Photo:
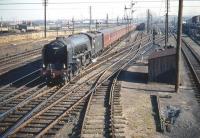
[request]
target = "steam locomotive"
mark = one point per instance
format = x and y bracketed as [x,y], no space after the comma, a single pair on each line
[66,56]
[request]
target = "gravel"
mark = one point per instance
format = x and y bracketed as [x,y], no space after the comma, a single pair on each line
[137,107]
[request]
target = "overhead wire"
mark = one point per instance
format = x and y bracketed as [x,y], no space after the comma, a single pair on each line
[87,8]
[83,2]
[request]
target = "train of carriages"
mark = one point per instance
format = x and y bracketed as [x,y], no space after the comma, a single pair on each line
[66,56]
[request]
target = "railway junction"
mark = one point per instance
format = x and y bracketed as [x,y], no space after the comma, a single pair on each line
[122,79]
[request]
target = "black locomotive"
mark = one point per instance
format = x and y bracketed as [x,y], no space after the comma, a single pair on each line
[66,56]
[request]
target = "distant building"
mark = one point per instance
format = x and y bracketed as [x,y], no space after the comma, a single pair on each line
[162,66]
[26,28]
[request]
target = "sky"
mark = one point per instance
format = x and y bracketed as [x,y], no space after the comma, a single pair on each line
[79,9]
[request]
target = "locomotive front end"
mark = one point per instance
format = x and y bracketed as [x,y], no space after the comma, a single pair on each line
[54,71]
[54,67]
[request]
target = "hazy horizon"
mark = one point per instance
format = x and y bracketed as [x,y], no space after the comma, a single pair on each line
[15,10]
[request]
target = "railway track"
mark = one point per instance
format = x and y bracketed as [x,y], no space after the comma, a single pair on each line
[103,116]
[96,122]
[12,102]
[195,40]
[15,95]
[22,57]
[193,59]
[40,104]
[46,112]
[19,91]
[118,122]
[19,56]
[22,80]
[74,100]
[115,52]
[14,61]
[10,62]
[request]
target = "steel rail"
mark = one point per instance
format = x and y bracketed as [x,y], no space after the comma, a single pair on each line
[89,102]
[111,102]
[20,79]
[73,89]
[22,88]
[193,65]
[25,101]
[109,56]
[43,111]
[19,56]
[99,83]
[28,116]
[18,64]
[25,118]
[23,93]
[126,48]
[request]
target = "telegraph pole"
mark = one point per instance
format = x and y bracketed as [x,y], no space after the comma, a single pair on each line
[1,23]
[117,20]
[167,20]
[107,19]
[57,29]
[73,25]
[132,15]
[148,20]
[166,23]
[90,18]
[127,23]
[45,18]
[178,49]
[125,10]
[96,25]
[151,23]
[165,29]
[126,17]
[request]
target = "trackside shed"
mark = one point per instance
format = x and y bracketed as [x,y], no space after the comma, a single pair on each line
[162,66]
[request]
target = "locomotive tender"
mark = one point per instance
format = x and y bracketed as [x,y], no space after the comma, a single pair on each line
[66,56]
